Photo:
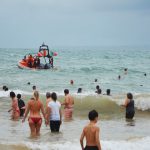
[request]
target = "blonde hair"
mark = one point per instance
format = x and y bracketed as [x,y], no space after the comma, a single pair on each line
[36,95]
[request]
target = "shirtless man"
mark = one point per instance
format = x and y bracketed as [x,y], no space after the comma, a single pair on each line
[68,105]
[34,106]
[91,133]
[15,109]
[48,99]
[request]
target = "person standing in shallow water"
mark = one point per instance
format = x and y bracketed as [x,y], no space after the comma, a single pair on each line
[54,117]
[68,105]
[129,104]
[34,106]
[21,105]
[15,109]
[91,133]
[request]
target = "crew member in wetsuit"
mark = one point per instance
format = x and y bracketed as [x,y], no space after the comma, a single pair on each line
[129,104]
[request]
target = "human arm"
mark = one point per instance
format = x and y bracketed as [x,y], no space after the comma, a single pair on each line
[81,139]
[60,116]
[26,113]
[48,115]
[42,110]
[66,101]
[97,139]
[126,102]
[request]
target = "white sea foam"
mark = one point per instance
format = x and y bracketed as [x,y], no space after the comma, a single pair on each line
[6,93]
[134,144]
[142,101]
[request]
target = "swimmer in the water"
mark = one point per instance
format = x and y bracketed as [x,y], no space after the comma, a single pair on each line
[119,77]
[98,90]
[126,71]
[91,133]
[71,82]
[34,106]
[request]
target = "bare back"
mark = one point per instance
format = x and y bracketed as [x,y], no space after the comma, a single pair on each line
[69,101]
[34,108]
[90,135]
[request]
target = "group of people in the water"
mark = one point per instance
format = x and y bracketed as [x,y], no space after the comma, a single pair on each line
[52,114]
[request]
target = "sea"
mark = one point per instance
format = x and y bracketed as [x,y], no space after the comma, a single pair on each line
[82,65]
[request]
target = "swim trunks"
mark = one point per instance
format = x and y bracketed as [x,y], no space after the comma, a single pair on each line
[91,148]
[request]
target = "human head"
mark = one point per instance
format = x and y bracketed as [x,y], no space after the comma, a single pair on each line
[54,96]
[18,96]
[71,82]
[12,94]
[96,80]
[119,77]
[144,74]
[4,87]
[28,83]
[93,115]
[66,91]
[108,91]
[34,87]
[79,90]
[48,95]
[125,69]
[129,96]
[36,95]
[97,87]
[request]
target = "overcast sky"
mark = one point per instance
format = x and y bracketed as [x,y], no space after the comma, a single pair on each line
[27,23]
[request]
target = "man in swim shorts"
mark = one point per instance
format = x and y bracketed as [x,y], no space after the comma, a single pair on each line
[91,133]
[68,105]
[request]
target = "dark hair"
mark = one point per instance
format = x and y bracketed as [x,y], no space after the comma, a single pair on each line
[79,90]
[66,91]
[92,115]
[108,91]
[12,94]
[97,87]
[18,96]
[129,96]
[34,87]
[28,83]
[96,80]
[4,87]
[54,96]
[48,95]
[125,69]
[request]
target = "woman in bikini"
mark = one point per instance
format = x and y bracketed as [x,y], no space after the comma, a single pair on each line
[15,109]
[34,106]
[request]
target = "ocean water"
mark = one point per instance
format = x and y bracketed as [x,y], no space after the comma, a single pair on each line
[83,65]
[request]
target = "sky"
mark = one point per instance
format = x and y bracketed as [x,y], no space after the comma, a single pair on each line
[28,23]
